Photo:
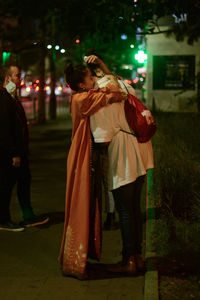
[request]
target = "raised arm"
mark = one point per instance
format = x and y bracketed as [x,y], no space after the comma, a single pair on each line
[93,59]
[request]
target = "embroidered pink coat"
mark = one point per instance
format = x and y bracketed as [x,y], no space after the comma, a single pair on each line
[75,242]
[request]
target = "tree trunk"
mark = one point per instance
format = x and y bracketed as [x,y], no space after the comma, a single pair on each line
[52,107]
[1,53]
[198,93]
[52,103]
[42,94]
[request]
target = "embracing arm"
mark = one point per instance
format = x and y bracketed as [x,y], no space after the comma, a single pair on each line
[96,99]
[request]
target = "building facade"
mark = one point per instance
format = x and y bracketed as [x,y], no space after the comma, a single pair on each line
[173,69]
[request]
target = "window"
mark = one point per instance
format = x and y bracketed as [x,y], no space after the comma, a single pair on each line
[174,72]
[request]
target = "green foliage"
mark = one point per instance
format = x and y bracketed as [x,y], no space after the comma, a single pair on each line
[99,25]
[106,20]
[189,28]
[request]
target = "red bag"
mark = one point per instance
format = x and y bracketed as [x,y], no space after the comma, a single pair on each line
[137,115]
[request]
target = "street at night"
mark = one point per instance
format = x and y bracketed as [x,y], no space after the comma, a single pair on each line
[29,260]
[99,122]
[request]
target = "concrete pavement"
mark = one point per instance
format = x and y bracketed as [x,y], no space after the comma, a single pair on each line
[29,269]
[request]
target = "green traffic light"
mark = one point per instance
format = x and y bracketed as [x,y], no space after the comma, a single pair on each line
[6,56]
[141,57]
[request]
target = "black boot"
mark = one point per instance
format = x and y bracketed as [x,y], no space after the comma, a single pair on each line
[126,267]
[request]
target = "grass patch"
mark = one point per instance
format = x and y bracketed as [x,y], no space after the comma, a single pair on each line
[176,187]
[176,191]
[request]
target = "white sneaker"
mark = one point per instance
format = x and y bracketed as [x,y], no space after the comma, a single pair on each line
[10,226]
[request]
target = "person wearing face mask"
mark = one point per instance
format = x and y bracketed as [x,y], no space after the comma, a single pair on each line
[20,174]
[9,152]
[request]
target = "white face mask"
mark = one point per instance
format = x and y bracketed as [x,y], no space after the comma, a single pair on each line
[11,88]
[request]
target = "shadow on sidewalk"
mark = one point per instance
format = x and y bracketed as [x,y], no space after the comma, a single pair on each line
[54,218]
[98,271]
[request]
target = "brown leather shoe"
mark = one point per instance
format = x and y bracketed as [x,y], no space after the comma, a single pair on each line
[140,264]
[127,267]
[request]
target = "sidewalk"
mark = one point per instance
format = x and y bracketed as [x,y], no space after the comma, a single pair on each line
[29,269]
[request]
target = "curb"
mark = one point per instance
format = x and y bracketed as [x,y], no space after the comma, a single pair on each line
[151,277]
[151,285]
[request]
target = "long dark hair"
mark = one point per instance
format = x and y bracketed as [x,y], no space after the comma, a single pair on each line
[75,75]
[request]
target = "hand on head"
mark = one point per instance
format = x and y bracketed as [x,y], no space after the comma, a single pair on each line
[92,59]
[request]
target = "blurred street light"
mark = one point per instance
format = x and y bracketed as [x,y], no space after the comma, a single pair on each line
[57,47]
[124,37]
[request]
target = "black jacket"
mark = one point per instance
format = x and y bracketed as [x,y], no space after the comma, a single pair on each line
[11,143]
[23,127]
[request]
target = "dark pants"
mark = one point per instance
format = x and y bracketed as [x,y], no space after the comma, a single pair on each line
[127,202]
[9,176]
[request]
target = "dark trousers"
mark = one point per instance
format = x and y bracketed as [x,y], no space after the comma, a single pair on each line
[127,202]
[9,176]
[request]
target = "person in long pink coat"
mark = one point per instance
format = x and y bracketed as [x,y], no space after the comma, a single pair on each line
[77,244]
